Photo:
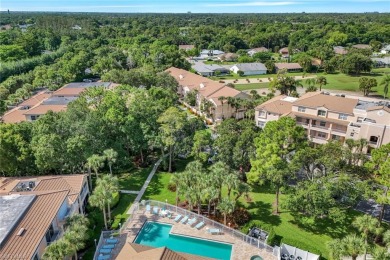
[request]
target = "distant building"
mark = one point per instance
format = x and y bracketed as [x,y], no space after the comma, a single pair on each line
[210,53]
[208,70]
[76,27]
[228,57]
[386,49]
[381,62]
[284,52]
[208,91]
[34,211]
[256,50]
[327,117]
[340,50]
[45,101]
[290,67]
[186,47]
[362,46]
[256,68]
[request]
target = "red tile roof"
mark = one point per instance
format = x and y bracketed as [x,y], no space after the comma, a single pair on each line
[36,222]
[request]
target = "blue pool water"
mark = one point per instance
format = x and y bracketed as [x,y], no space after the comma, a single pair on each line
[157,235]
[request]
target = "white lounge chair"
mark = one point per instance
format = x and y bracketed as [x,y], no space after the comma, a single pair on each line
[214,231]
[184,220]
[192,221]
[199,225]
[178,217]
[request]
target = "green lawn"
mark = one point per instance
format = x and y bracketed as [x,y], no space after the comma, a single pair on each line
[345,82]
[132,180]
[311,236]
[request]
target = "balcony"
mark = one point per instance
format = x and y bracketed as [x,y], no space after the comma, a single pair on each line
[318,139]
[304,124]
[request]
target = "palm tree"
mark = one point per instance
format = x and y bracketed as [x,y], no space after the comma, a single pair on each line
[217,172]
[176,180]
[381,253]
[97,199]
[212,194]
[231,181]
[310,82]
[255,94]
[77,220]
[95,162]
[386,238]
[366,224]
[222,99]
[321,81]
[353,246]
[110,185]
[110,155]
[76,238]
[334,248]
[195,191]
[226,206]
[57,250]
[385,82]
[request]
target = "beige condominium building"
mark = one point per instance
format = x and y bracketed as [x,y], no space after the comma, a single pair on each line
[327,117]
[33,212]
[208,90]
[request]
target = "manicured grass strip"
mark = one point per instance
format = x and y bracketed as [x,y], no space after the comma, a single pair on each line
[133,180]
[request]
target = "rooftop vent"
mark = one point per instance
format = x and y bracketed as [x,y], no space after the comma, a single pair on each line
[181,76]
[202,85]
[21,231]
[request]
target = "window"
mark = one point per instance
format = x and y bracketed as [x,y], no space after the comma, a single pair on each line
[260,124]
[321,113]
[335,137]
[374,139]
[301,109]
[307,121]
[313,122]
[33,118]
[343,116]
[321,135]
[323,123]
[262,114]
[49,233]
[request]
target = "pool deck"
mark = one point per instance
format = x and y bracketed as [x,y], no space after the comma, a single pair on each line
[240,250]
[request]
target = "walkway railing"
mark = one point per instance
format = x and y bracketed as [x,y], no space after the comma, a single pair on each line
[210,223]
[104,235]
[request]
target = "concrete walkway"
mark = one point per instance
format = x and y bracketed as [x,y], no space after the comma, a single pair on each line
[142,191]
[129,191]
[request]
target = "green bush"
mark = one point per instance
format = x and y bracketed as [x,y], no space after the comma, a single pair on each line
[118,219]
[115,199]
[271,240]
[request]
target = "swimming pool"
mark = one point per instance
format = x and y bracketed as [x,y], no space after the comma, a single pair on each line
[157,235]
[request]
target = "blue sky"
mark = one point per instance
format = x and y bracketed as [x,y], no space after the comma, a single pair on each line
[198,6]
